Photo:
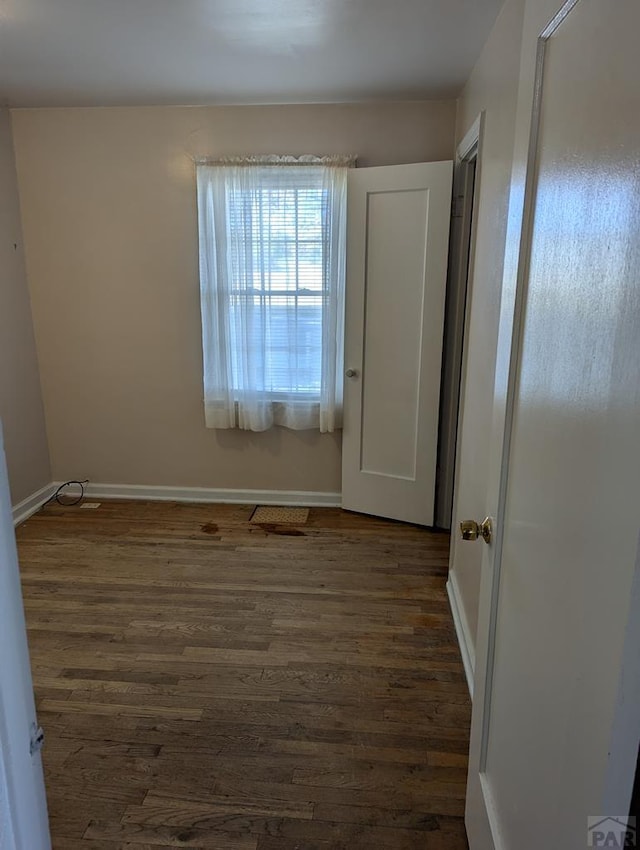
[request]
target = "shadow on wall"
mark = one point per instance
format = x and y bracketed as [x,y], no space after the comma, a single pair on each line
[270,442]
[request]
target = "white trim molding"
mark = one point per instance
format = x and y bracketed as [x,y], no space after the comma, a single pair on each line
[304,498]
[27,507]
[467,178]
[470,144]
[467,648]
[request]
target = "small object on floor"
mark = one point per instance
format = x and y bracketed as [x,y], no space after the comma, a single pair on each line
[68,498]
[90,505]
[279,515]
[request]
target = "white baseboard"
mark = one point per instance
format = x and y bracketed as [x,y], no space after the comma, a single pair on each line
[24,509]
[304,498]
[467,648]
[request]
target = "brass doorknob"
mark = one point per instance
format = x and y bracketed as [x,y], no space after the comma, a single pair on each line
[471,530]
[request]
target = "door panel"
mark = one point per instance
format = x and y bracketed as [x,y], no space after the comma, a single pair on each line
[397,252]
[25,805]
[395,220]
[556,680]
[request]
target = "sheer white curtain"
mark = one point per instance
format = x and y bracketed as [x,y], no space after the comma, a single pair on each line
[272,237]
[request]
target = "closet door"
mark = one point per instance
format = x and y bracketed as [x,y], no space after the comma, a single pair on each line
[397,245]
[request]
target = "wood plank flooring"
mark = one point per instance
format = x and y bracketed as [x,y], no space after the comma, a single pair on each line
[208,683]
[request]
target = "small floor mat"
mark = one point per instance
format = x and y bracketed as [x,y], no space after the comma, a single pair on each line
[271,513]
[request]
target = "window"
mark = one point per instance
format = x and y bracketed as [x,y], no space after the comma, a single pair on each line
[284,297]
[272,257]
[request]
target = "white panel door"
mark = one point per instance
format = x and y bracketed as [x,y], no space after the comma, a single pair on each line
[556,715]
[397,242]
[23,808]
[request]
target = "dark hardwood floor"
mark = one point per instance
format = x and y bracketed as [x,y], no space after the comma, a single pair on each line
[206,683]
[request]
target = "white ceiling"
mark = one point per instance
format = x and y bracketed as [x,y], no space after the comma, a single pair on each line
[103,52]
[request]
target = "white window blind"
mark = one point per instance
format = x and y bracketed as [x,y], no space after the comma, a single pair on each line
[272,257]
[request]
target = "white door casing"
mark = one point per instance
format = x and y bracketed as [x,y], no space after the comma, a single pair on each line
[469,480]
[556,713]
[22,770]
[464,216]
[397,242]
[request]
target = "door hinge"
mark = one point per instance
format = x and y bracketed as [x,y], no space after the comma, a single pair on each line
[37,739]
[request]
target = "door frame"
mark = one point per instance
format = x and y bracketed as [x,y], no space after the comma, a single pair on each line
[480,812]
[464,218]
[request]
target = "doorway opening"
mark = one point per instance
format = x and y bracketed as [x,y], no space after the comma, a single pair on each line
[461,251]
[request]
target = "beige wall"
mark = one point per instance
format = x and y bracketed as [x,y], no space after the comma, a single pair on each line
[109,216]
[20,397]
[492,87]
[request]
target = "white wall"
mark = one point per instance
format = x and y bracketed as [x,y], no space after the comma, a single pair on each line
[109,215]
[21,410]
